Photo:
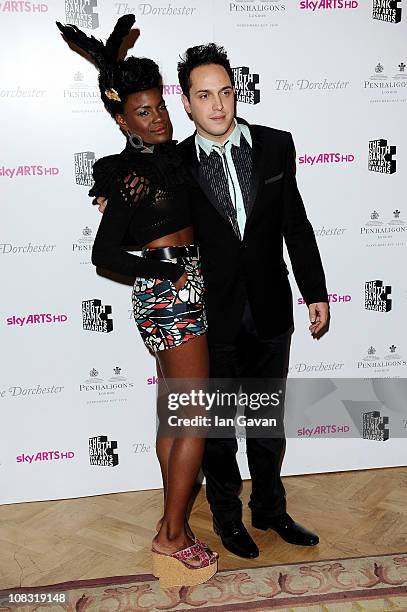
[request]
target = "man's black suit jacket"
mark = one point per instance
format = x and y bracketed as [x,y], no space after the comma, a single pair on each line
[253,268]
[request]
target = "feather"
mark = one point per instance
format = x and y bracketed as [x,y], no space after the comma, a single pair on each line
[120,31]
[94,47]
[101,54]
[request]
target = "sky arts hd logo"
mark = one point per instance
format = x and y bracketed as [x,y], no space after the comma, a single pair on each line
[377,296]
[28,170]
[331,5]
[387,10]
[381,157]
[42,318]
[245,85]
[81,13]
[333,298]
[95,316]
[23,7]
[326,158]
[45,456]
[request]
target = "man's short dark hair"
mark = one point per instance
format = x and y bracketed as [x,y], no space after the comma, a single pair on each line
[201,56]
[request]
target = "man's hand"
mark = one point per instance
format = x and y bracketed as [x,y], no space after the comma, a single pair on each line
[102,202]
[318,316]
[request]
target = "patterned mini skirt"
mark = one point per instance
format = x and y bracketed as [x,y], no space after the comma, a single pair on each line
[166,317]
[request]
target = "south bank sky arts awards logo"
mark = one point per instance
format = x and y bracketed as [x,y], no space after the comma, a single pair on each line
[103,452]
[381,157]
[374,426]
[83,168]
[387,10]
[377,296]
[245,85]
[82,13]
[96,316]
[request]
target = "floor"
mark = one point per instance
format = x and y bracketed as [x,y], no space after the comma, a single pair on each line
[355,514]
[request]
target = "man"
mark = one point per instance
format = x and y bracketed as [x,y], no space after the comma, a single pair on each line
[247,202]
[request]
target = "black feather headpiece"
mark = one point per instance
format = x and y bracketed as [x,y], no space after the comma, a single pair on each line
[104,56]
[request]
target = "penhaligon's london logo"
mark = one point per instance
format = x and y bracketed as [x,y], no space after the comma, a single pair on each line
[381,157]
[96,383]
[379,362]
[390,226]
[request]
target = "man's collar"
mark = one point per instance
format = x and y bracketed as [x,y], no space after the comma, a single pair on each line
[234,139]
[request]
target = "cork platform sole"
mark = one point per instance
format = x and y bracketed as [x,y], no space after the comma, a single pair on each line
[172,572]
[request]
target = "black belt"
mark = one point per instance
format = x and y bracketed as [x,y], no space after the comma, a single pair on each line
[172,252]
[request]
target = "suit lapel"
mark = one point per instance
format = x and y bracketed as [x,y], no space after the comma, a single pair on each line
[189,154]
[196,171]
[257,171]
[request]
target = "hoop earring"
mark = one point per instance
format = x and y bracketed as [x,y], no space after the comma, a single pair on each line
[139,144]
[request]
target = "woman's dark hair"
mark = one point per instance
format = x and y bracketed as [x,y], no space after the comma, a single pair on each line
[118,78]
[129,76]
[201,56]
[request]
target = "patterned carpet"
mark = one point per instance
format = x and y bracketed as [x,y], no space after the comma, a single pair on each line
[360,584]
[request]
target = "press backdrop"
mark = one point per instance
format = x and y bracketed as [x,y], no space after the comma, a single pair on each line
[76,384]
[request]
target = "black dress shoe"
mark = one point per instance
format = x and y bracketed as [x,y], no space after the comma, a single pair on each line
[236,539]
[290,531]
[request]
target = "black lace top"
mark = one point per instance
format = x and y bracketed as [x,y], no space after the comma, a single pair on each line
[148,197]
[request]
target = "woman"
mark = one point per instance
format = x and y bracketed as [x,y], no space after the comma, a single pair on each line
[148,207]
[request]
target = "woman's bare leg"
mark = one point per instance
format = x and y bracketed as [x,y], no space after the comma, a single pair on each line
[180,460]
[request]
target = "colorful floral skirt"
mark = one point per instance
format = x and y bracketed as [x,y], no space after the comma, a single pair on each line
[165,316]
